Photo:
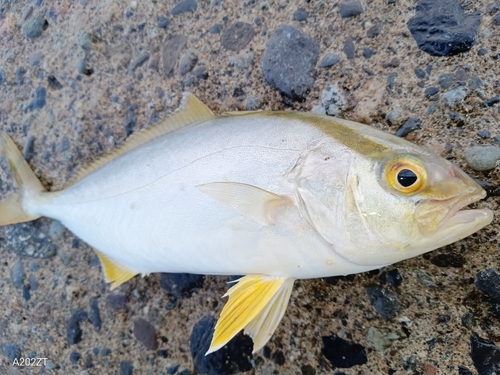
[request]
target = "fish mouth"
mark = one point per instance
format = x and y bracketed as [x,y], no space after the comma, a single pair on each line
[456,223]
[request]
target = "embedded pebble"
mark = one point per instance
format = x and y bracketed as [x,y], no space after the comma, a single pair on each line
[492,101]
[94,314]
[430,92]
[85,40]
[383,338]
[368,52]
[242,60]
[17,274]
[385,302]
[75,357]
[349,48]
[485,355]
[424,278]
[441,28]
[300,15]
[116,300]
[138,62]
[185,7]
[42,312]
[215,28]
[449,260]
[39,99]
[476,83]
[253,103]
[329,60]
[188,61]
[237,36]
[162,22]
[482,158]
[234,357]
[12,352]
[342,353]
[145,332]
[454,97]
[446,80]
[29,147]
[394,277]
[34,27]
[56,229]
[485,134]
[394,117]
[171,53]
[126,368]
[289,60]
[181,285]
[73,331]
[20,73]
[488,281]
[333,102]
[350,9]
[36,58]
[408,126]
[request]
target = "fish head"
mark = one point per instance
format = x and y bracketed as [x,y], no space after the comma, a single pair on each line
[389,204]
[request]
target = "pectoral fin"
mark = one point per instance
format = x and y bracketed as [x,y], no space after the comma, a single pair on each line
[258,204]
[115,273]
[256,303]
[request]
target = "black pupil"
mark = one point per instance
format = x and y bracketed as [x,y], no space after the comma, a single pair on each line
[406,178]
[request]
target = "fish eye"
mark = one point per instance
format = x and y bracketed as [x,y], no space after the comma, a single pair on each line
[405,174]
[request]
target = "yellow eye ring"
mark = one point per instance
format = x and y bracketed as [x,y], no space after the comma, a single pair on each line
[405,175]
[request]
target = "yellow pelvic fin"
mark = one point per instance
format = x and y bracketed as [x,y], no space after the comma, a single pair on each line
[115,273]
[191,112]
[256,303]
[257,204]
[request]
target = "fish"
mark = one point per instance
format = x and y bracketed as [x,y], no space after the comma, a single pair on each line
[274,196]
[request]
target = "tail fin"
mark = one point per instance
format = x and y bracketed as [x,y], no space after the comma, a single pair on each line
[12,210]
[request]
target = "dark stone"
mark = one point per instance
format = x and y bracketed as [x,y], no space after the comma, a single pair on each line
[350,9]
[26,293]
[386,303]
[33,282]
[278,357]
[289,60]
[446,80]
[237,36]
[485,355]
[448,260]
[488,281]
[409,125]
[17,274]
[391,80]
[368,52]
[39,100]
[307,370]
[476,83]
[184,7]
[482,51]
[74,357]
[329,60]
[29,147]
[235,356]
[441,28]
[420,73]
[138,62]
[105,352]
[129,123]
[94,315]
[215,28]
[53,82]
[468,319]
[73,330]
[12,352]
[300,15]
[485,134]
[29,239]
[430,92]
[496,20]
[126,368]
[491,102]
[349,48]
[171,52]
[116,301]
[163,353]
[172,369]
[201,72]
[163,22]
[34,27]
[395,277]
[145,332]
[492,190]
[464,371]
[342,353]
[188,62]
[20,72]
[374,31]
[181,285]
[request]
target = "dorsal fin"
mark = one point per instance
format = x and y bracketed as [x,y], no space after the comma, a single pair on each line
[191,112]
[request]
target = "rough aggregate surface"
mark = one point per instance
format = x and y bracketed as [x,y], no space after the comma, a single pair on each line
[78,77]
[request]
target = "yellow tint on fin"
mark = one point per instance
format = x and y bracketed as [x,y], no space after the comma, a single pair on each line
[257,304]
[115,273]
[191,112]
[258,204]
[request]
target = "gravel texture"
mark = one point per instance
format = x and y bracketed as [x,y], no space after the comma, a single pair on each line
[78,77]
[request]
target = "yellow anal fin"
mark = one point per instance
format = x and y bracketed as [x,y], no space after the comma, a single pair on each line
[251,201]
[115,273]
[253,297]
